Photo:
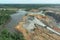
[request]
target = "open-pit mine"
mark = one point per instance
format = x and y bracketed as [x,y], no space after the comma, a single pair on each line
[41,25]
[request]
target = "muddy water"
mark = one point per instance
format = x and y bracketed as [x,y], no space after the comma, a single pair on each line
[15,19]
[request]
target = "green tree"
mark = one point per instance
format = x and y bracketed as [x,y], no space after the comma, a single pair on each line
[6,35]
